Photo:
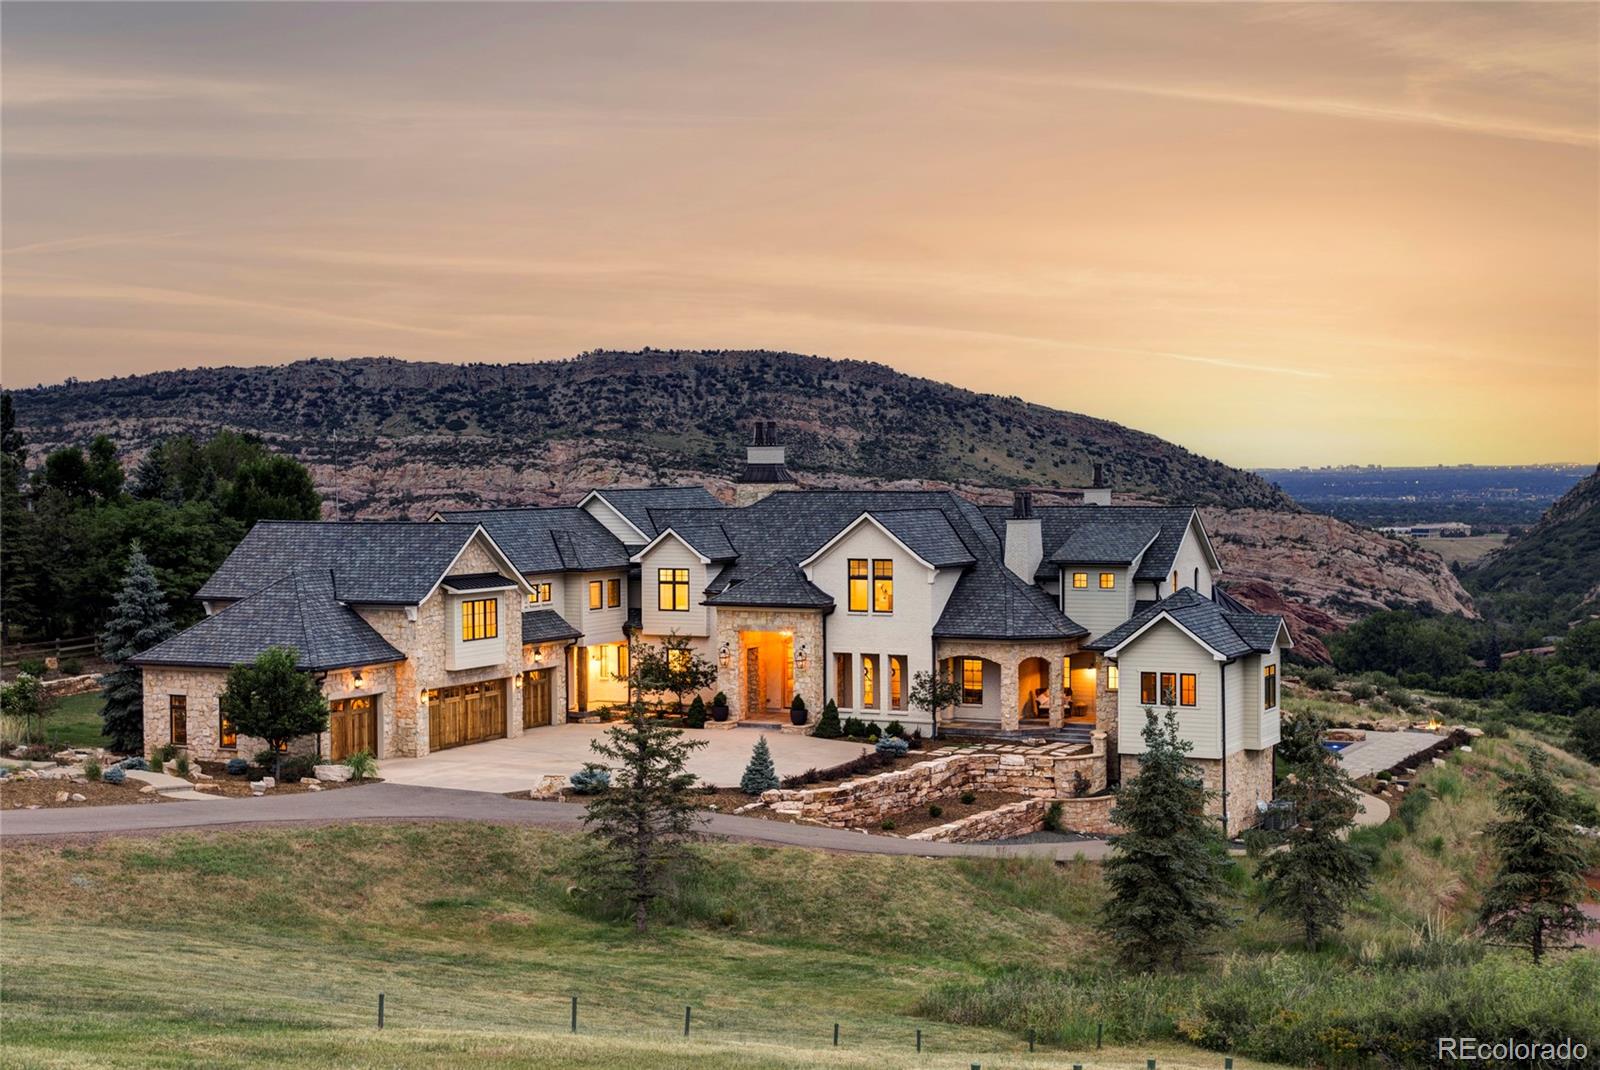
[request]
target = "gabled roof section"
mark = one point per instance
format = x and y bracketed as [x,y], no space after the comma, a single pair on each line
[298,610]
[1059,523]
[925,534]
[560,539]
[778,586]
[376,563]
[546,626]
[705,539]
[991,602]
[633,504]
[478,581]
[1120,543]
[1227,633]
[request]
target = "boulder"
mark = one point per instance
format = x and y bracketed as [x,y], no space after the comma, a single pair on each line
[332,774]
[268,782]
[312,785]
[258,787]
[148,789]
[61,796]
[79,798]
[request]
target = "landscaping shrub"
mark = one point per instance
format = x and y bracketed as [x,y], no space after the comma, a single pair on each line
[866,763]
[895,729]
[855,728]
[891,747]
[71,667]
[133,763]
[887,825]
[180,765]
[969,797]
[91,768]
[237,767]
[592,779]
[37,752]
[696,715]
[114,775]
[1384,774]
[1052,817]
[362,765]
[935,810]
[32,666]
[761,774]
[828,726]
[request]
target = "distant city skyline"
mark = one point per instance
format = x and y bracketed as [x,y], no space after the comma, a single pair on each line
[1280,235]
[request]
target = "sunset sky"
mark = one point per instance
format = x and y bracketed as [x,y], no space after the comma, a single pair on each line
[1278,235]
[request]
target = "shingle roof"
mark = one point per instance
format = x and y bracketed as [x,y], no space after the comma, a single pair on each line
[390,562]
[1106,544]
[1061,522]
[705,534]
[1229,632]
[553,539]
[478,581]
[299,610]
[779,584]
[546,626]
[929,535]
[635,503]
[992,602]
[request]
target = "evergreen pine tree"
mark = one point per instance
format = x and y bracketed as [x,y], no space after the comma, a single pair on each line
[1165,870]
[1317,873]
[642,822]
[828,726]
[1535,893]
[760,775]
[138,622]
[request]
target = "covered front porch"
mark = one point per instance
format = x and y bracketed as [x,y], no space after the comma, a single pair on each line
[765,657]
[1018,687]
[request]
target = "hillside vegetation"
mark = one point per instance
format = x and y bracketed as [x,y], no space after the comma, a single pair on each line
[1551,573]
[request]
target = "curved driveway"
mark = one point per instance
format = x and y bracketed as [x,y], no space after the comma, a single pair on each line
[405,802]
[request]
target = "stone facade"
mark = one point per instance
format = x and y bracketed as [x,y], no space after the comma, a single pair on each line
[806,626]
[1043,772]
[1250,781]
[1090,816]
[1010,656]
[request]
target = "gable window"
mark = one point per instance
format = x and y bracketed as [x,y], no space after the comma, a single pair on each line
[1169,689]
[1080,580]
[672,590]
[540,593]
[1113,677]
[841,681]
[596,594]
[613,593]
[1147,688]
[883,586]
[972,681]
[897,681]
[858,585]
[1269,692]
[227,735]
[1186,689]
[478,619]
[178,718]
[1108,580]
[869,681]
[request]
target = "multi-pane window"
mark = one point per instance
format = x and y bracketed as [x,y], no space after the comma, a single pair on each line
[672,589]
[882,586]
[613,660]
[1108,580]
[479,618]
[858,585]
[539,594]
[178,717]
[1080,580]
[227,735]
[1186,689]
[1113,677]
[1147,689]
[897,681]
[1169,689]
[597,594]
[972,681]
[1269,682]
[869,681]
[613,593]
[841,681]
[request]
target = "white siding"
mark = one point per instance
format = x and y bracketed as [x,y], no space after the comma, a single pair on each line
[1262,727]
[1165,648]
[1191,555]
[603,625]
[672,553]
[614,522]
[1093,607]
[558,592]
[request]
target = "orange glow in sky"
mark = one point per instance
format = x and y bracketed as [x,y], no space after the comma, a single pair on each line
[1278,235]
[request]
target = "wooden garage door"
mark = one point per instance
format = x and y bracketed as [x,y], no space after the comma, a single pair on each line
[469,714]
[353,726]
[536,695]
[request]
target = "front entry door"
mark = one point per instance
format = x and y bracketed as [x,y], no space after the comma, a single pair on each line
[752,682]
[536,693]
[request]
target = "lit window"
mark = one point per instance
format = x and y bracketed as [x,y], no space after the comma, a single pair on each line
[1108,580]
[1080,580]
[540,593]
[1270,687]
[178,718]
[869,681]
[1147,689]
[971,681]
[226,735]
[897,681]
[613,593]
[1169,689]
[1113,677]
[883,586]
[478,619]
[1186,689]
[596,594]
[672,590]
[858,585]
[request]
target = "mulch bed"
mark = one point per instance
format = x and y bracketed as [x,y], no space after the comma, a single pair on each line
[238,787]
[22,794]
[951,809]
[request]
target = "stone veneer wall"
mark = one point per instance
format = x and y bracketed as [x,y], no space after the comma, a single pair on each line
[807,628]
[1010,656]
[1004,822]
[868,801]
[1249,781]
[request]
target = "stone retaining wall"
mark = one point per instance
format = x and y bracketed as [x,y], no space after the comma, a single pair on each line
[1043,773]
[1001,823]
[1090,816]
[71,685]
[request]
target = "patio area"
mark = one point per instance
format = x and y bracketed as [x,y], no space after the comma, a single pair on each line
[504,765]
[1381,750]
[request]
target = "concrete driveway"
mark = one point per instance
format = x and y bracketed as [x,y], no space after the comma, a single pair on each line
[504,765]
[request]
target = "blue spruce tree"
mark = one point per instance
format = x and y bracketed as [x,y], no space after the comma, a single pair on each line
[138,622]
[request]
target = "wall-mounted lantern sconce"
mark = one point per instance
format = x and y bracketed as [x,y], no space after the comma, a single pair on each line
[538,655]
[422,695]
[517,681]
[725,656]
[800,658]
[357,681]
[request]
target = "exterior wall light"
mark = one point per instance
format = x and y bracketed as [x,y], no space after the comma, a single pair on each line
[800,658]
[725,656]
[357,680]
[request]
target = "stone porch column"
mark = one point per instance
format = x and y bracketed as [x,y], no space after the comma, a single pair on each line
[1058,690]
[1010,695]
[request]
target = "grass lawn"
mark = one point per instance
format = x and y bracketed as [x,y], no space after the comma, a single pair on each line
[1467,550]
[76,721]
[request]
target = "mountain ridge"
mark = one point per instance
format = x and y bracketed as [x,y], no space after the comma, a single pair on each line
[1556,561]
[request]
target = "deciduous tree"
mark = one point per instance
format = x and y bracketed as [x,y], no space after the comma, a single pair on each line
[273,700]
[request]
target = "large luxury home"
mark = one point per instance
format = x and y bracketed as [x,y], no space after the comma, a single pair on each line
[1070,619]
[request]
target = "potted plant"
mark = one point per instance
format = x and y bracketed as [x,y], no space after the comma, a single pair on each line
[797,711]
[719,707]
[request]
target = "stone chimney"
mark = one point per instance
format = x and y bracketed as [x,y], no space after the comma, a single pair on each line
[1024,548]
[764,470]
[1100,492]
